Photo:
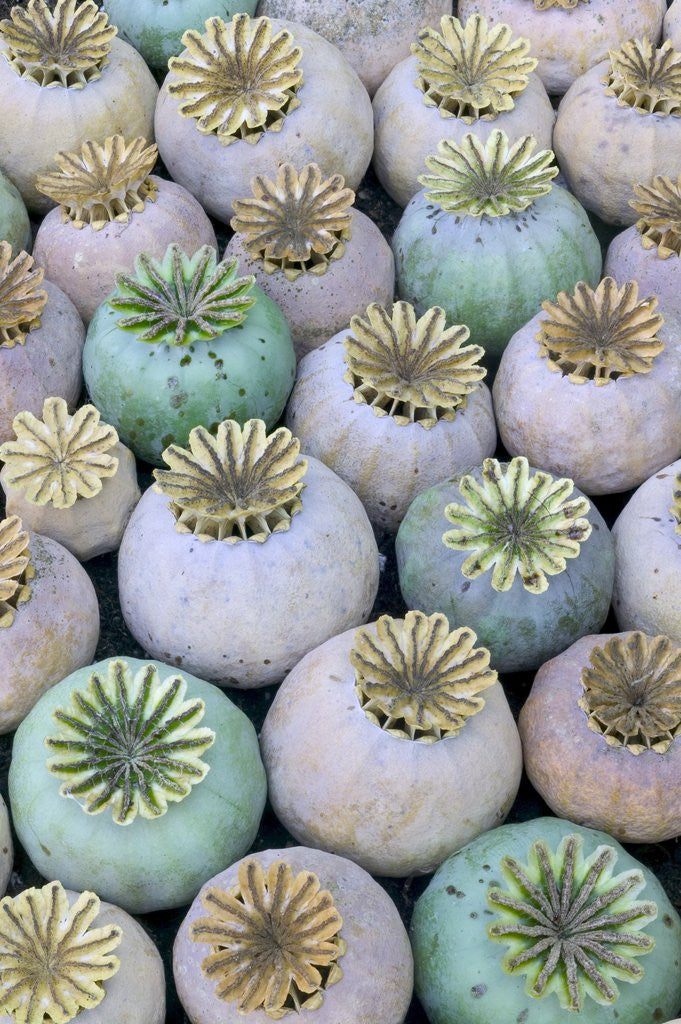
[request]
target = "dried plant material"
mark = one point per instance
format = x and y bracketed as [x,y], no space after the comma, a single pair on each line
[632,692]
[572,927]
[60,458]
[660,223]
[645,78]
[417,680]
[566,5]
[676,507]
[242,484]
[238,80]
[517,523]
[275,940]
[416,371]
[298,223]
[16,570]
[475,178]
[469,71]
[182,299]
[66,48]
[52,962]
[600,335]
[102,183]
[129,742]
[22,300]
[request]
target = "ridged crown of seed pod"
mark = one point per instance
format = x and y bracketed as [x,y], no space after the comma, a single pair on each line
[676,499]
[297,224]
[632,692]
[645,78]
[516,523]
[417,371]
[53,959]
[65,48]
[473,178]
[659,225]
[471,71]
[238,80]
[242,484]
[102,182]
[250,966]
[60,458]
[118,712]
[16,570]
[182,299]
[22,300]
[417,680]
[600,335]
[551,911]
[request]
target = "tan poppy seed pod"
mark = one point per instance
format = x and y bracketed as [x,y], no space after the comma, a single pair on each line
[421,705]
[591,388]
[570,36]
[369,973]
[618,124]
[65,78]
[49,618]
[394,404]
[599,732]
[316,256]
[111,208]
[309,106]
[372,36]
[460,78]
[672,25]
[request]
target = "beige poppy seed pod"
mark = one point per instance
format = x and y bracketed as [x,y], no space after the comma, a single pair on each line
[591,387]
[308,106]
[111,208]
[461,78]
[618,124]
[672,24]
[570,36]
[316,256]
[49,618]
[423,707]
[65,78]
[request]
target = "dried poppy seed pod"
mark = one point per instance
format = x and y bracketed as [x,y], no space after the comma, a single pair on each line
[613,761]
[318,258]
[618,125]
[212,141]
[255,977]
[415,699]
[592,359]
[466,77]
[672,24]
[65,78]
[569,36]
[393,403]
[6,847]
[15,226]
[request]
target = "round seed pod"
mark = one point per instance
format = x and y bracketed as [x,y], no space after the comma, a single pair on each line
[111,969]
[6,848]
[490,245]
[672,24]
[49,618]
[230,512]
[598,734]
[618,125]
[569,36]
[69,478]
[510,892]
[420,409]
[146,838]
[403,696]
[110,210]
[309,106]
[366,967]
[465,78]
[551,579]
[647,535]
[15,226]
[593,359]
[65,79]
[317,258]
